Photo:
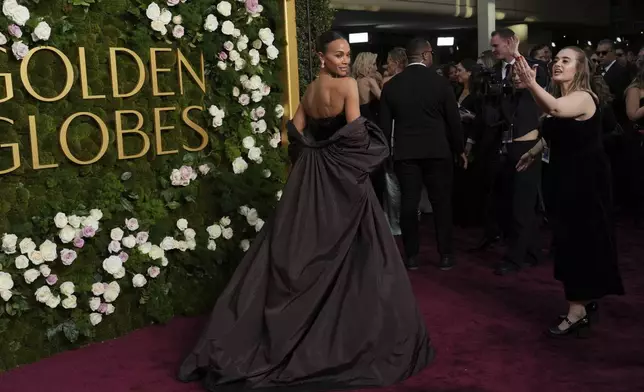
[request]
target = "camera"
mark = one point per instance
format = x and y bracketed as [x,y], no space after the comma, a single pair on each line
[486,83]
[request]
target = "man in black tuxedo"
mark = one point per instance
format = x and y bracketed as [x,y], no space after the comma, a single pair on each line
[511,129]
[427,136]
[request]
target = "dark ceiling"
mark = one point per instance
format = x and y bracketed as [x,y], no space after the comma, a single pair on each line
[398,21]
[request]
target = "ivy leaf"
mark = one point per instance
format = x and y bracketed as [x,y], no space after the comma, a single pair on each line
[168,195]
[71,332]
[127,205]
[173,205]
[10,310]
[133,196]
[51,332]
[126,176]
[191,199]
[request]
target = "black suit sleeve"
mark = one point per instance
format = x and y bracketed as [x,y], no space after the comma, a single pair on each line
[453,120]
[385,112]
[542,72]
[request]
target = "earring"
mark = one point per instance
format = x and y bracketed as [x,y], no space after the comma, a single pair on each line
[322,65]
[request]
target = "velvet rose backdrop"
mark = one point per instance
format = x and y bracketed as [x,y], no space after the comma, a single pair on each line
[186,166]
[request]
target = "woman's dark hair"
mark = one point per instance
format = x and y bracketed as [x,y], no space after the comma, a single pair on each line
[326,38]
[469,65]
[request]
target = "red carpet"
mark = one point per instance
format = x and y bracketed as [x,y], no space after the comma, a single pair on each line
[487,331]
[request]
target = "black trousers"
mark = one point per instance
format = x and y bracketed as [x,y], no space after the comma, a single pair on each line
[520,198]
[437,175]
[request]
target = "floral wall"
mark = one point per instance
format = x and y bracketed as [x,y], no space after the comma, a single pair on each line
[90,252]
[320,16]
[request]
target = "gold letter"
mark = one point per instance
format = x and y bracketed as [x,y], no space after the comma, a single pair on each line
[8,83]
[24,66]
[83,75]
[158,128]
[63,138]
[35,155]
[154,71]
[120,132]
[115,76]
[196,127]
[182,60]
[14,150]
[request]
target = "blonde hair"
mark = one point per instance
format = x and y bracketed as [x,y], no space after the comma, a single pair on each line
[487,58]
[638,81]
[583,79]
[363,64]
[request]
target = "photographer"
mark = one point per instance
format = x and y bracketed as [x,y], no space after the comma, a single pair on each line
[511,121]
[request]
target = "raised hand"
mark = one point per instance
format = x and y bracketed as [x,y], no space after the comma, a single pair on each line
[526,73]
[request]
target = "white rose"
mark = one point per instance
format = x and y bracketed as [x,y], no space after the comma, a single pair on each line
[145,248]
[182,246]
[254,57]
[254,154]
[153,11]
[248,142]
[45,271]
[27,246]
[214,231]
[278,195]
[236,33]
[244,245]
[96,214]
[182,224]
[272,52]
[224,221]
[67,234]
[153,272]
[48,250]
[244,210]
[53,302]
[257,44]
[228,27]
[116,234]
[266,173]
[267,36]
[114,247]
[142,237]
[244,99]
[168,243]
[6,294]
[279,111]
[139,280]
[98,289]
[36,257]
[156,252]
[74,221]
[18,13]
[95,318]
[254,82]
[164,262]
[129,242]
[9,242]
[190,234]
[43,294]
[165,17]
[236,92]
[119,274]
[6,281]
[211,23]
[259,225]
[239,165]
[70,302]
[228,45]
[112,264]
[234,55]
[60,220]
[261,126]
[212,245]
[19,50]
[90,221]
[227,233]
[252,216]
[95,302]
[256,96]
[21,262]
[109,309]
[132,224]
[241,45]
[177,19]
[192,244]
[3,39]
[240,63]
[224,8]
[112,292]
[42,32]
[67,288]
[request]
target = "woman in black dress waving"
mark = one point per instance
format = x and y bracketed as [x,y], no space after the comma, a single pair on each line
[586,252]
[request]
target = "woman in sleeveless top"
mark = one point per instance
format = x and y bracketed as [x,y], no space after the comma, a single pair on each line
[322,300]
[635,112]
[586,252]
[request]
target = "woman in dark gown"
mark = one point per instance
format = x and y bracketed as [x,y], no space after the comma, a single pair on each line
[321,301]
[585,253]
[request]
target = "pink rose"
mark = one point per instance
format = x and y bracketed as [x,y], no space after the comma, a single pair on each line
[68,256]
[102,308]
[123,256]
[79,242]
[187,173]
[142,237]
[223,56]
[178,31]
[172,3]
[88,232]
[252,5]
[15,30]
[51,279]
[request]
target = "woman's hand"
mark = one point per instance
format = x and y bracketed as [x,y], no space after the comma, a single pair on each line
[526,73]
[514,46]
[525,161]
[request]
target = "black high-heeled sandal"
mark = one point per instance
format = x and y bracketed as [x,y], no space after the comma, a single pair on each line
[592,310]
[580,329]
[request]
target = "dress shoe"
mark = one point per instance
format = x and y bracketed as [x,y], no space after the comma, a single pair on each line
[592,310]
[411,263]
[506,268]
[447,263]
[485,243]
[580,329]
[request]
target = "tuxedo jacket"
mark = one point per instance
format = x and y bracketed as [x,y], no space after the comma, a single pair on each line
[618,78]
[425,113]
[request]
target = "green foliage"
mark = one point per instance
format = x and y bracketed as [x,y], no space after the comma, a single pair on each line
[320,18]
[139,188]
